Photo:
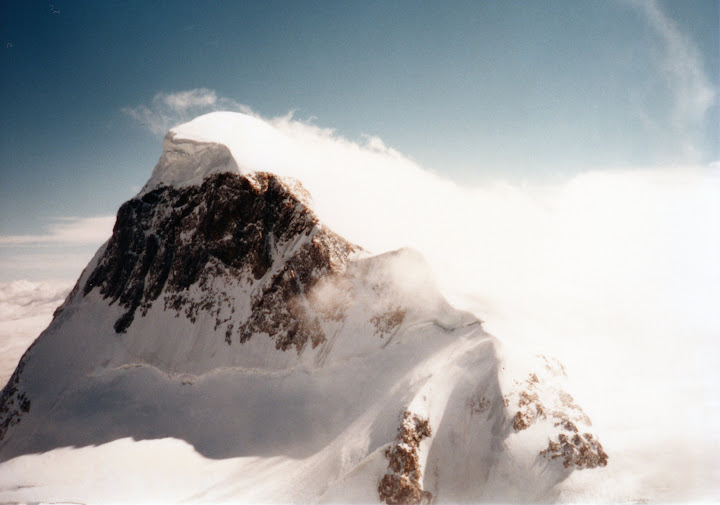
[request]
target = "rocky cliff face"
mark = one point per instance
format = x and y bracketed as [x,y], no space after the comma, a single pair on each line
[258,229]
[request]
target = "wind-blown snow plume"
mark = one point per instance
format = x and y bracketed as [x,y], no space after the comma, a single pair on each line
[616,272]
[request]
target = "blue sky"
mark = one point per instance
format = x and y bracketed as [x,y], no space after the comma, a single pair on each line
[473,91]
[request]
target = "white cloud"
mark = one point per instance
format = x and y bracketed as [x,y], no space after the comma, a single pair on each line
[26,309]
[187,99]
[20,299]
[681,65]
[60,253]
[170,109]
[56,263]
[67,231]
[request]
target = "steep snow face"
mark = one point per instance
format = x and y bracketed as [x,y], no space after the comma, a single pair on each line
[223,313]
[202,147]
[187,163]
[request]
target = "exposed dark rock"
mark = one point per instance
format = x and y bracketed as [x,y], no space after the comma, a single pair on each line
[572,448]
[401,485]
[170,239]
[581,451]
[530,407]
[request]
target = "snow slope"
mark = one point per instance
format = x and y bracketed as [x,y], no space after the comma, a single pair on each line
[225,325]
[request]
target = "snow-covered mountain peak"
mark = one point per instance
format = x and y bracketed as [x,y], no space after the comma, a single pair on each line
[223,312]
[215,143]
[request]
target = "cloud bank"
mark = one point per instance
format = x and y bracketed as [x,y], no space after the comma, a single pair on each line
[59,253]
[25,310]
[67,231]
[21,299]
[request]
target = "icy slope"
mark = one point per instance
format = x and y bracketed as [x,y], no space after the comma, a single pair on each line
[223,313]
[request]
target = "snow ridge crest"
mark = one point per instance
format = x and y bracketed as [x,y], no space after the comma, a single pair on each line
[216,143]
[186,162]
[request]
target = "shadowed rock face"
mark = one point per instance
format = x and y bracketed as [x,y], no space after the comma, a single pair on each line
[258,227]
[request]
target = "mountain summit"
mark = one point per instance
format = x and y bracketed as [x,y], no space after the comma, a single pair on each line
[223,313]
